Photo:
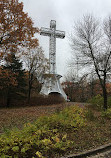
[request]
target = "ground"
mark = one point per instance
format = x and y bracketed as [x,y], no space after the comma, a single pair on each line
[96,133]
[11,117]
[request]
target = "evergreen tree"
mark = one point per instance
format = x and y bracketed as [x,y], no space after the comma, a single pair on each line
[14,67]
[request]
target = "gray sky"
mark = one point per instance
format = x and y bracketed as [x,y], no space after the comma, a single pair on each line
[65,12]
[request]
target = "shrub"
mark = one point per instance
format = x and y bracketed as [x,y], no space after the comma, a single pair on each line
[109,102]
[46,137]
[49,100]
[89,115]
[106,113]
[96,102]
[71,117]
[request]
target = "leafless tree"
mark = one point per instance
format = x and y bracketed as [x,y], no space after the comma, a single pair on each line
[36,64]
[75,86]
[90,42]
[71,84]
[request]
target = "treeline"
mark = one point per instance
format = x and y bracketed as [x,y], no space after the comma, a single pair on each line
[84,88]
[17,84]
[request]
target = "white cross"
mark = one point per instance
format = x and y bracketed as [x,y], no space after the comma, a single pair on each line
[53,34]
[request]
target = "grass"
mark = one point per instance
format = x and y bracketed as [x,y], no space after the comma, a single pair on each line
[95,132]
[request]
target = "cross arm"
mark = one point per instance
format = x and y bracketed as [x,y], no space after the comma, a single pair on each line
[59,34]
[45,31]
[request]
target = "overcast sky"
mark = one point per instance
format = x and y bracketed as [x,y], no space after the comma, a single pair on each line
[65,12]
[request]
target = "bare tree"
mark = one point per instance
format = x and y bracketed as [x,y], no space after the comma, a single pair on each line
[90,42]
[71,84]
[36,64]
[75,86]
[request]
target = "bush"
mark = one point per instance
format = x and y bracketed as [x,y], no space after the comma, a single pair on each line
[49,100]
[107,113]
[97,102]
[109,102]
[34,101]
[46,137]
[90,115]
[71,117]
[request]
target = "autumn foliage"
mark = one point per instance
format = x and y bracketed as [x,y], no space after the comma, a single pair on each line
[17,32]
[82,91]
[7,78]
[16,28]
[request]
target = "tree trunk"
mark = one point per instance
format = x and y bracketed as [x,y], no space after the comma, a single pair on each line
[105,97]
[105,92]
[8,99]
[30,86]
[92,89]
[29,91]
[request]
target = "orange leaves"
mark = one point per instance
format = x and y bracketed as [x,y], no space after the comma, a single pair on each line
[108,86]
[16,28]
[7,78]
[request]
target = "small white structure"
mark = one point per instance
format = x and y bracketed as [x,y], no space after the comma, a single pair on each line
[51,82]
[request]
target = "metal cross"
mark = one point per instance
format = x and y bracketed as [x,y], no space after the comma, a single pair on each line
[53,34]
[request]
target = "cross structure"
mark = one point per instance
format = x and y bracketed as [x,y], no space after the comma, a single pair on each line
[53,34]
[52,84]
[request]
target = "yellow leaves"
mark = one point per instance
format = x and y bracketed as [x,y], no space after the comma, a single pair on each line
[25,148]
[64,137]
[106,113]
[44,136]
[39,154]
[56,138]
[54,130]
[15,148]
[28,124]
[38,132]
[46,141]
